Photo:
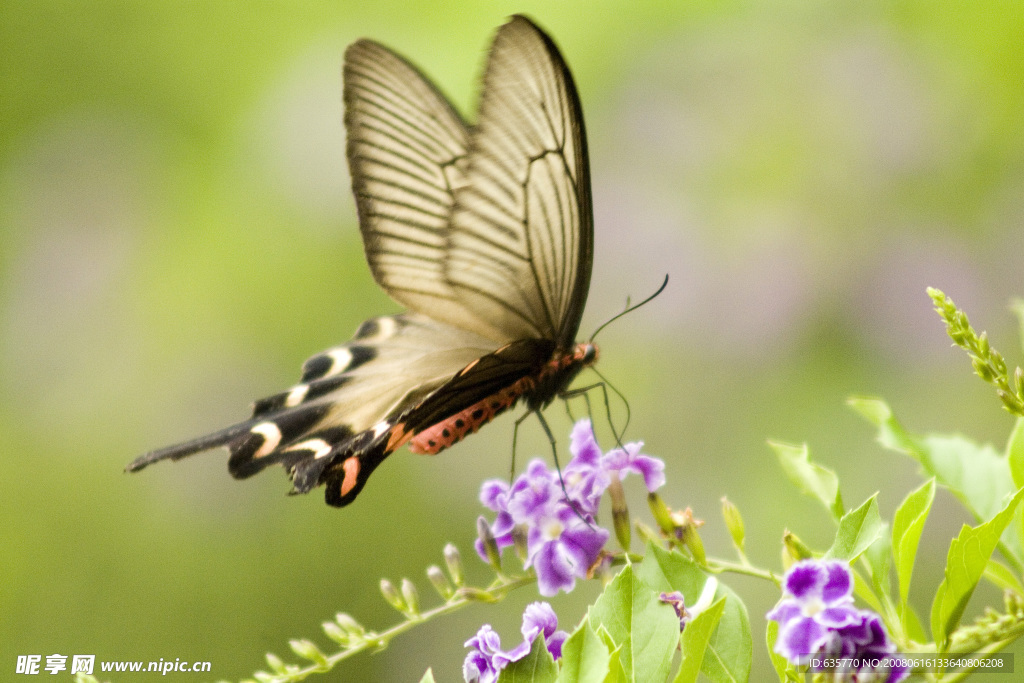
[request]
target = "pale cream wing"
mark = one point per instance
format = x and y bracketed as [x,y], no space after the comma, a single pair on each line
[521,244]
[407,151]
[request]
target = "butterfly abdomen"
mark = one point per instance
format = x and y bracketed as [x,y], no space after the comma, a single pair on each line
[538,389]
[435,439]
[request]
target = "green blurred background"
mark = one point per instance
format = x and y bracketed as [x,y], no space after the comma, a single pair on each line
[177,235]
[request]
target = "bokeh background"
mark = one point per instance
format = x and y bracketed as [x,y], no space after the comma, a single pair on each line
[177,235]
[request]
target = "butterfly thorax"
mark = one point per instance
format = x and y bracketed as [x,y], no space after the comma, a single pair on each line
[537,389]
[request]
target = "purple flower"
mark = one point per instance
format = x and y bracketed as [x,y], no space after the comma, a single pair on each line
[562,547]
[585,476]
[540,618]
[675,598]
[486,659]
[817,618]
[629,459]
[563,541]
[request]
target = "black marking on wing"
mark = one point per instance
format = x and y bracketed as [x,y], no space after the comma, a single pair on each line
[326,364]
[292,425]
[301,393]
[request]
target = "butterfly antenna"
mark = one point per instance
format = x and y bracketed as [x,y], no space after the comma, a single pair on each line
[629,309]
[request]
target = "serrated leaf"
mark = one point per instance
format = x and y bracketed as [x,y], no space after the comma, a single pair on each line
[858,529]
[585,657]
[968,556]
[645,628]
[811,478]
[977,475]
[907,525]
[729,650]
[536,667]
[694,641]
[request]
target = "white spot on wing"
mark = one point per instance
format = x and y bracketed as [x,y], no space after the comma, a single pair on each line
[380,428]
[271,438]
[296,395]
[319,447]
[386,328]
[341,359]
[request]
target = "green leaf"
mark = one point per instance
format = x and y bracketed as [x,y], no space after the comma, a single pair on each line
[616,674]
[428,676]
[695,639]
[862,589]
[858,529]
[1002,577]
[907,525]
[585,657]
[811,478]
[977,475]
[536,667]
[1017,306]
[646,629]
[783,669]
[879,558]
[729,651]
[1015,452]
[966,562]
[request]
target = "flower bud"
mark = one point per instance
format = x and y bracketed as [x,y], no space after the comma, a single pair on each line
[793,549]
[490,546]
[307,649]
[620,512]
[391,594]
[440,581]
[734,523]
[453,560]
[411,596]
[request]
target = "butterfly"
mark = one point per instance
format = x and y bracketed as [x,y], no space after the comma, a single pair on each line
[483,232]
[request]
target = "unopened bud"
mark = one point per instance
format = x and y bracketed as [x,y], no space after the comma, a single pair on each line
[620,512]
[793,550]
[411,596]
[453,560]
[490,546]
[391,594]
[440,582]
[734,523]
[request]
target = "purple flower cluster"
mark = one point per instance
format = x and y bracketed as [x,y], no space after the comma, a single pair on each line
[486,659]
[563,541]
[817,619]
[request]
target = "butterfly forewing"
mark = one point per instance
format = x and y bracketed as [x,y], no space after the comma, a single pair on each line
[407,151]
[484,233]
[522,228]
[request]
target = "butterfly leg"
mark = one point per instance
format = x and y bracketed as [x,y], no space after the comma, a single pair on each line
[603,385]
[515,437]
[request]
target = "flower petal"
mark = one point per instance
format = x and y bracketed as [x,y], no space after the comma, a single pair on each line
[839,582]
